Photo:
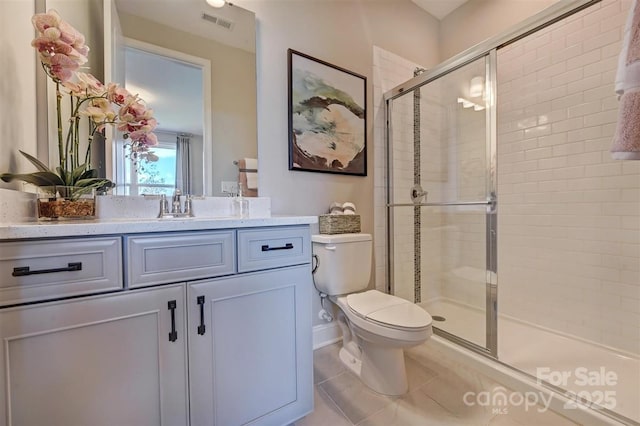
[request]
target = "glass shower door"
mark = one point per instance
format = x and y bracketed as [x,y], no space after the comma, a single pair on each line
[441,200]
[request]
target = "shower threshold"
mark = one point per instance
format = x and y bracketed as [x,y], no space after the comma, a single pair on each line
[580,367]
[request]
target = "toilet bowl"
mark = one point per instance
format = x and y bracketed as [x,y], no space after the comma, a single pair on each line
[376,327]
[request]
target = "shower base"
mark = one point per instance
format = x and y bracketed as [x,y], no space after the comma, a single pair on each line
[587,367]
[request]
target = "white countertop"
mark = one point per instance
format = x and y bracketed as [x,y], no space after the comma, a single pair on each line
[9,231]
[133,215]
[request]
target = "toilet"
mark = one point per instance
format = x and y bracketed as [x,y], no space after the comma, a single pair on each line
[376,327]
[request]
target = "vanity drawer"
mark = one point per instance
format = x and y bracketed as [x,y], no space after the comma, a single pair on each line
[178,257]
[47,269]
[267,248]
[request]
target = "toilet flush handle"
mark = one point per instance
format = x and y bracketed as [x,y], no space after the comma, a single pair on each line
[332,248]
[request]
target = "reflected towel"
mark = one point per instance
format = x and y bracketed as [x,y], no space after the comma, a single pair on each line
[626,142]
[251,164]
[248,176]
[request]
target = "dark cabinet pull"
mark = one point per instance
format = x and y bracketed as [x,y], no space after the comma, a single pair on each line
[201,327]
[173,335]
[287,246]
[22,271]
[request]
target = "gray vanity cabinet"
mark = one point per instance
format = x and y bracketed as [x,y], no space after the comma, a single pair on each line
[250,348]
[209,327]
[118,359]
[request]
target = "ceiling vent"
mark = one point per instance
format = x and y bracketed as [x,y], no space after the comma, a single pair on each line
[224,23]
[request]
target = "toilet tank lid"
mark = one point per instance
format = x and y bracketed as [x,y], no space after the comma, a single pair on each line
[340,238]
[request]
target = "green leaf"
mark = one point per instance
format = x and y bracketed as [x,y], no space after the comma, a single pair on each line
[63,176]
[39,164]
[89,173]
[78,173]
[47,178]
[92,182]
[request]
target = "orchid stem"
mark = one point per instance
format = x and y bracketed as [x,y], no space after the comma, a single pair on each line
[61,153]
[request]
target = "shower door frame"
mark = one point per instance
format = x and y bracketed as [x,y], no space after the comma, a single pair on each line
[488,49]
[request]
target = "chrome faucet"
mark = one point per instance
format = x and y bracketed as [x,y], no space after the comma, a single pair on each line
[176,208]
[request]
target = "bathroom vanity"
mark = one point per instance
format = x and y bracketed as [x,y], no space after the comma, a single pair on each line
[150,322]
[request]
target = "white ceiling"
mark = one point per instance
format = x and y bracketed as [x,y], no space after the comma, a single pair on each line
[439,8]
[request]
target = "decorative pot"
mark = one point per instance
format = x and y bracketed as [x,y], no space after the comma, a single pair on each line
[66,202]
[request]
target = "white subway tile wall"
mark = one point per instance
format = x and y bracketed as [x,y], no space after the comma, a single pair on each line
[569,216]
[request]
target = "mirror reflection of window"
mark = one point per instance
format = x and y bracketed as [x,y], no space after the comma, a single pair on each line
[173,87]
[155,178]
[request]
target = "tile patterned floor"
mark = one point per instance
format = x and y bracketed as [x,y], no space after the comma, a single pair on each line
[435,396]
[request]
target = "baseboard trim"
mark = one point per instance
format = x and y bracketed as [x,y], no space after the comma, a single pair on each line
[326,334]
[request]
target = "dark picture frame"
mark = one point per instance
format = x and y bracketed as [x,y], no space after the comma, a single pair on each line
[327,117]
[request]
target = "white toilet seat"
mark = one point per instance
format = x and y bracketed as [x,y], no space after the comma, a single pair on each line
[387,318]
[388,310]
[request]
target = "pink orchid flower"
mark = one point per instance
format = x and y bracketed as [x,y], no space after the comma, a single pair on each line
[116,94]
[147,139]
[134,116]
[42,21]
[99,114]
[57,36]
[93,85]
[62,51]
[48,48]
[62,67]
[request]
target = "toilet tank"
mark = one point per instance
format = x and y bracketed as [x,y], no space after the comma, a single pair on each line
[344,262]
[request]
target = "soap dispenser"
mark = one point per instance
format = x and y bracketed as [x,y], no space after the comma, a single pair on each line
[240,204]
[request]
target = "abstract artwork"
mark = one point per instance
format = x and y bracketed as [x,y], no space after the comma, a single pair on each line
[327,117]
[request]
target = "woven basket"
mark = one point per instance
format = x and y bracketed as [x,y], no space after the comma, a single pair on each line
[339,224]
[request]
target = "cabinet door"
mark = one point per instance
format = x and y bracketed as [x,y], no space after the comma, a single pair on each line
[107,360]
[250,348]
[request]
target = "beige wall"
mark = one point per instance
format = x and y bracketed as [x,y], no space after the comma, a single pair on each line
[233,91]
[478,20]
[18,68]
[310,27]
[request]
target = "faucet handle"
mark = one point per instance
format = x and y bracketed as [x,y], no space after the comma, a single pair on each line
[164,205]
[188,206]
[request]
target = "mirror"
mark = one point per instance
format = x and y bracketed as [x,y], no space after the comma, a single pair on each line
[219,43]
[195,66]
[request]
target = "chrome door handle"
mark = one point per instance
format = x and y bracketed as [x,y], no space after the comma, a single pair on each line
[417,194]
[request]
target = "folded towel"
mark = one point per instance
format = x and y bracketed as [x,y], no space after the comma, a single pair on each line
[335,208]
[349,208]
[626,142]
[251,163]
[252,180]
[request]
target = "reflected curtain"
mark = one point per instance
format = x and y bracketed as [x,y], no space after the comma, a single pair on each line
[183,163]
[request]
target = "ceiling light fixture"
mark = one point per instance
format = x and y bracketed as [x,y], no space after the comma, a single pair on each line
[216,3]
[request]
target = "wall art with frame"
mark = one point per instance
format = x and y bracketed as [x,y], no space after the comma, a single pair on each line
[327,117]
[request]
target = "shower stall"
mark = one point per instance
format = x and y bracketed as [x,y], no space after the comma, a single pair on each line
[506,218]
